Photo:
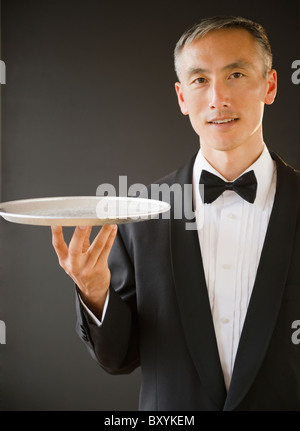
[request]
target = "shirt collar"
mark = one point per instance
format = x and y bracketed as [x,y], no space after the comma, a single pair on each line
[264,168]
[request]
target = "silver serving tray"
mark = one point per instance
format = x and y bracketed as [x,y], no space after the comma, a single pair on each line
[81,210]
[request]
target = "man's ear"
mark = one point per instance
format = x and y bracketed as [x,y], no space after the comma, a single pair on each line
[272,87]
[180,98]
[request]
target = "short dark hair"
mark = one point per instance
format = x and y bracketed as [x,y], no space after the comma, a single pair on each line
[226,22]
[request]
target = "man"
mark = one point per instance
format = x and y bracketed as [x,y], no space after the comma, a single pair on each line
[207,313]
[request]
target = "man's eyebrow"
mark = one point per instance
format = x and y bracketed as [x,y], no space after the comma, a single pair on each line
[196,71]
[239,64]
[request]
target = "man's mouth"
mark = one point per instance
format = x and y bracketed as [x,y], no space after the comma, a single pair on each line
[223,121]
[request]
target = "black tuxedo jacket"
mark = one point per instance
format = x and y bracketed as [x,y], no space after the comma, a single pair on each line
[159,314]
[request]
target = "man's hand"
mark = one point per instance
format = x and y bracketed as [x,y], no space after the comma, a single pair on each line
[86,263]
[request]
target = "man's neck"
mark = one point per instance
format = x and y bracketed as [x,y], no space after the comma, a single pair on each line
[231,164]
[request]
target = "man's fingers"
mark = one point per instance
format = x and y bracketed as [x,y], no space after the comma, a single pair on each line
[79,238]
[86,242]
[58,242]
[99,243]
[109,243]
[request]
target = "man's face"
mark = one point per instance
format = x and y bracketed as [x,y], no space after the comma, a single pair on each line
[223,88]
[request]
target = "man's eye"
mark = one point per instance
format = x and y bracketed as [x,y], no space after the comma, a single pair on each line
[200,81]
[236,75]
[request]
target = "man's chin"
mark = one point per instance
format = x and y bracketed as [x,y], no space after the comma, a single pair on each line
[220,146]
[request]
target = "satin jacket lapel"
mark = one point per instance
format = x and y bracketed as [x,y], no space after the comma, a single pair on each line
[193,298]
[269,285]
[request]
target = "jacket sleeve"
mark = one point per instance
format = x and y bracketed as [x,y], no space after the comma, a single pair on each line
[114,345]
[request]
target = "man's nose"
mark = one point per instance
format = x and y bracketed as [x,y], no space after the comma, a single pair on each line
[219,97]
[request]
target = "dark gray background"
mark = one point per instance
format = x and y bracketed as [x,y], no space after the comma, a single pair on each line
[90,96]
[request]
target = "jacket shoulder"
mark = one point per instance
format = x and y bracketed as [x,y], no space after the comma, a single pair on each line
[167,180]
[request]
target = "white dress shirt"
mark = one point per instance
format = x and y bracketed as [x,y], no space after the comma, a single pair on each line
[231,234]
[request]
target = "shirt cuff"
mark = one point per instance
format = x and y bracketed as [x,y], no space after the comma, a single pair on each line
[92,315]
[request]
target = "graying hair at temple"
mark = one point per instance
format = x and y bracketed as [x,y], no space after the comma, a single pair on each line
[219,23]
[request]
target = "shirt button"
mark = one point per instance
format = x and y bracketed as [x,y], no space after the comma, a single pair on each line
[226,266]
[232,216]
[224,320]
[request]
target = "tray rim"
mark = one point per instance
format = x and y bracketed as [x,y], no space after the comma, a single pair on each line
[74,221]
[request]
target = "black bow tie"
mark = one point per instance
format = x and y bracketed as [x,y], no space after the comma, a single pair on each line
[245,186]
